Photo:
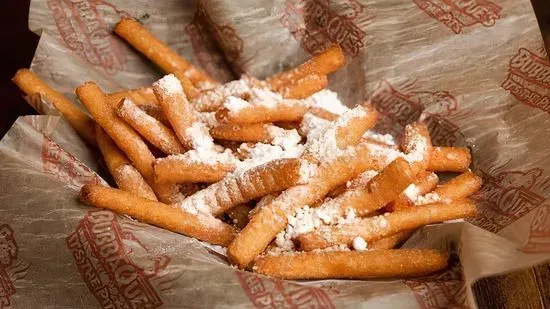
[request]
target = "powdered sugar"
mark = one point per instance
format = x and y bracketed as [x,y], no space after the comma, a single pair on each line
[325,147]
[312,126]
[199,136]
[381,138]
[208,118]
[205,156]
[416,145]
[287,139]
[359,244]
[327,100]
[362,180]
[262,153]
[412,192]
[265,97]
[169,85]
[427,199]
[234,105]
[307,171]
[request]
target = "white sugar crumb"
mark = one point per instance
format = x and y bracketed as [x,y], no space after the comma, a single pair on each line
[198,203]
[206,85]
[234,105]
[199,136]
[381,138]
[307,171]
[209,119]
[412,192]
[287,139]
[328,101]
[169,85]
[385,153]
[379,222]
[265,97]
[359,244]
[427,199]
[237,88]
[312,126]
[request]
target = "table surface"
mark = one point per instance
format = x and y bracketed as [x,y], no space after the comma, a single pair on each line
[521,289]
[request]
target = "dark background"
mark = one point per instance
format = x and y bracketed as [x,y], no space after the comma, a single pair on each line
[522,289]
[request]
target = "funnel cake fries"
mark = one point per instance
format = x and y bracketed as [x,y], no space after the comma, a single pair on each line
[294,183]
[31,84]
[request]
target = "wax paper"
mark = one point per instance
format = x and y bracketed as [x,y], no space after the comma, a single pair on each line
[475,70]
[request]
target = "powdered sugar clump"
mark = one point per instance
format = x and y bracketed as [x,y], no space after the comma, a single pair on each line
[234,105]
[262,153]
[312,126]
[307,171]
[265,97]
[205,156]
[359,244]
[381,138]
[199,136]
[412,192]
[325,147]
[287,139]
[327,100]
[427,199]
[209,119]
[362,180]
[169,85]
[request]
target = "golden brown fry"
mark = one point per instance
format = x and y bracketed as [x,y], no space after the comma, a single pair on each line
[240,188]
[202,227]
[449,159]
[391,241]
[190,91]
[324,63]
[352,264]
[378,227]
[257,132]
[158,52]
[424,183]
[125,175]
[124,136]
[190,131]
[140,96]
[459,187]
[156,112]
[151,129]
[305,86]
[379,191]
[184,169]
[417,145]
[31,84]
[286,110]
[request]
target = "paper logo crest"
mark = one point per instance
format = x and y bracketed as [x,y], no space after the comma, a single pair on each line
[315,25]
[65,167]
[528,79]
[272,293]
[507,195]
[539,234]
[443,290]
[459,14]
[402,104]
[204,34]
[11,268]
[117,268]
[84,30]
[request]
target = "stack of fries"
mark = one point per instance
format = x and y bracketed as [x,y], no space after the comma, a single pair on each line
[293,183]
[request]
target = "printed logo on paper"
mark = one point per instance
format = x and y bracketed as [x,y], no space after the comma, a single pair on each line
[539,233]
[204,34]
[65,167]
[11,268]
[460,14]
[507,195]
[117,268]
[272,293]
[528,79]
[316,25]
[84,30]
[440,291]
[401,104]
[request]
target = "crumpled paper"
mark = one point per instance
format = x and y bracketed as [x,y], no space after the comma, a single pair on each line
[475,71]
